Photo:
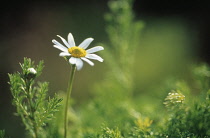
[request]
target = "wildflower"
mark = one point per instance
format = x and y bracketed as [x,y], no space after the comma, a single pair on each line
[144,124]
[75,54]
[174,98]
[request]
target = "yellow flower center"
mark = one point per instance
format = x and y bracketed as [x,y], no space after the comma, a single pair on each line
[77,52]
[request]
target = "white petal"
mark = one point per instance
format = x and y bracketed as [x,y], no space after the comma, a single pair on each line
[72,60]
[88,61]
[71,40]
[57,43]
[79,63]
[63,54]
[64,41]
[86,43]
[62,48]
[95,57]
[94,49]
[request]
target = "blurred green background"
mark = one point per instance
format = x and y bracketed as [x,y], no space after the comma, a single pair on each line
[175,35]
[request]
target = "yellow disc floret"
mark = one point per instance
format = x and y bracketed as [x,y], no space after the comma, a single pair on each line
[77,52]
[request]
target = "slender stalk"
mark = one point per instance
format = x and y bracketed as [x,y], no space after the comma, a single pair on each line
[35,129]
[67,100]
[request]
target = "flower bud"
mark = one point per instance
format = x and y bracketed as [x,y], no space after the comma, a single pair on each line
[31,73]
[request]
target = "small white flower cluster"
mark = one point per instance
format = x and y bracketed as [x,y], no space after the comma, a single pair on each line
[174,98]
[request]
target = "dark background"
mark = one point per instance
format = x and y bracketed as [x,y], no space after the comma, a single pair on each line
[195,12]
[19,18]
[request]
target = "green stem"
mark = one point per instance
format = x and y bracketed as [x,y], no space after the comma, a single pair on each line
[32,110]
[67,100]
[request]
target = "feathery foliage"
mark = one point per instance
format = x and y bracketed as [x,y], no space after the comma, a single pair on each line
[123,32]
[31,100]
[114,111]
[113,107]
[2,133]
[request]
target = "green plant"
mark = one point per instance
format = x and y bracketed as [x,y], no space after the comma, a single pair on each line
[2,133]
[190,119]
[30,100]
[116,109]
[111,104]
[110,133]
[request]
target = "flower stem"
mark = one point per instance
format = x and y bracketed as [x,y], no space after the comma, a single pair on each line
[67,100]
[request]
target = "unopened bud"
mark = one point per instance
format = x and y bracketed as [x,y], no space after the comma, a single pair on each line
[32,70]
[31,73]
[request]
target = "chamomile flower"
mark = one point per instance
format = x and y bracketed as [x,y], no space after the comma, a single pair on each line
[77,54]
